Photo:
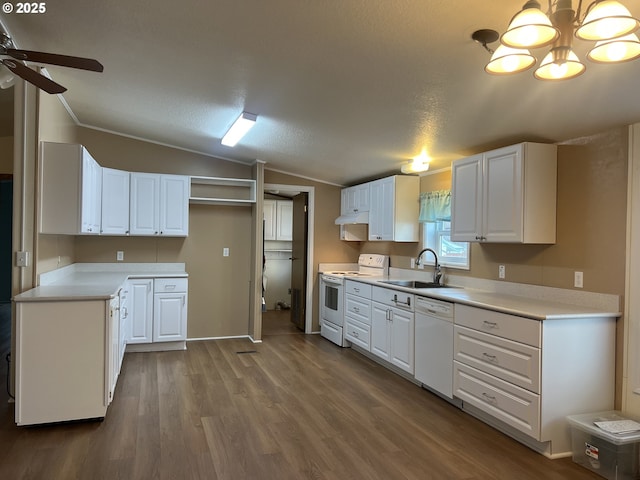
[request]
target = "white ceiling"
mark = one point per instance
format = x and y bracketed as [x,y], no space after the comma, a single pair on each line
[344,90]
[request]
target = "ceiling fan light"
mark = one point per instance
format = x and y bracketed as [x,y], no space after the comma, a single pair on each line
[7,79]
[606,20]
[507,60]
[560,64]
[239,129]
[617,50]
[530,28]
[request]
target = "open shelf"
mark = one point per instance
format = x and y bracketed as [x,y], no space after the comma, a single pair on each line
[222,191]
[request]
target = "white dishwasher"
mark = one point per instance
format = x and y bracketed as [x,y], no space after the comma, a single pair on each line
[434,345]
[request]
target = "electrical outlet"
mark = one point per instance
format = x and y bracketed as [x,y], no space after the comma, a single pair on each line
[501,271]
[225,252]
[119,256]
[413,263]
[578,279]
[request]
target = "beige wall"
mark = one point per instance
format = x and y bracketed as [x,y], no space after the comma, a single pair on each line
[6,155]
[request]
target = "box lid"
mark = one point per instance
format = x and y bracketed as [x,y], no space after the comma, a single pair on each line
[585,422]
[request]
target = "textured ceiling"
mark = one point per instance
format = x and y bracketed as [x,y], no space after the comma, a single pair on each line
[344,90]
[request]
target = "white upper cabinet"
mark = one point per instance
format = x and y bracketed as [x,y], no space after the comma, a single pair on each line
[174,205]
[159,204]
[115,202]
[393,209]
[278,220]
[71,190]
[355,199]
[506,195]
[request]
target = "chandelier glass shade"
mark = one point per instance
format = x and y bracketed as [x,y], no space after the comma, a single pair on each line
[606,22]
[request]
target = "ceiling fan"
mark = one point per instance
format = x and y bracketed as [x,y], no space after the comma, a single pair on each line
[7,48]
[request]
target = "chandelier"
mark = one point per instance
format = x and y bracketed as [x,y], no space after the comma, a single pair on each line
[606,22]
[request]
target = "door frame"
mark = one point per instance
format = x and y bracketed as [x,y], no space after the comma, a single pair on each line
[310,191]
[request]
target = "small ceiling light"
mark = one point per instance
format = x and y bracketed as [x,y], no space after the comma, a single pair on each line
[606,20]
[616,50]
[418,164]
[239,128]
[506,60]
[6,78]
[530,28]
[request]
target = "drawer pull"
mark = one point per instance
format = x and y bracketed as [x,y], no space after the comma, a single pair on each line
[489,357]
[357,290]
[489,324]
[356,309]
[489,398]
[355,334]
[170,287]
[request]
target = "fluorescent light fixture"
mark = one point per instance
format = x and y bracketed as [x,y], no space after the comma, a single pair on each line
[418,164]
[239,128]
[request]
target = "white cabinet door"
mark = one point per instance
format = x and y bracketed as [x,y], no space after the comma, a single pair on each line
[91,199]
[169,317]
[355,199]
[115,202]
[145,204]
[270,218]
[140,310]
[466,201]
[382,208]
[402,339]
[174,205]
[502,195]
[284,229]
[380,331]
[113,355]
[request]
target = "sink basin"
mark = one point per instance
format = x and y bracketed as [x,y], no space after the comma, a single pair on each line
[413,284]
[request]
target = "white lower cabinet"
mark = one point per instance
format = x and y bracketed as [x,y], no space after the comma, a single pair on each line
[66,360]
[357,317]
[530,374]
[392,327]
[158,314]
[140,310]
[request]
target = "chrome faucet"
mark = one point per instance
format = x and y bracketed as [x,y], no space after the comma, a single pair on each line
[437,274]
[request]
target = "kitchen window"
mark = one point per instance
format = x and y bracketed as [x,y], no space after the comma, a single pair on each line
[437,235]
[435,216]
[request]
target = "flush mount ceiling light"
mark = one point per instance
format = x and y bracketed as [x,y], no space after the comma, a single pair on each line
[239,128]
[417,164]
[606,22]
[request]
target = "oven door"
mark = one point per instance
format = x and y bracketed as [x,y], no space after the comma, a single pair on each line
[332,298]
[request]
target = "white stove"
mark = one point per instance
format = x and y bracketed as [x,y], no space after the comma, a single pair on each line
[332,293]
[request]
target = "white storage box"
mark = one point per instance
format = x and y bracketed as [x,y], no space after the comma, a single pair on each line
[612,455]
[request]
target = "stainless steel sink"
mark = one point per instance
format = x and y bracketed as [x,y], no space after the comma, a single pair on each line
[413,284]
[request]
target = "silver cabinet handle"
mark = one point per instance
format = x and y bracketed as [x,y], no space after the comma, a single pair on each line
[490,358]
[489,324]
[489,398]
[356,309]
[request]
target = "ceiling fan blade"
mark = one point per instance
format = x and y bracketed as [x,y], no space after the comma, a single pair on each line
[33,77]
[56,59]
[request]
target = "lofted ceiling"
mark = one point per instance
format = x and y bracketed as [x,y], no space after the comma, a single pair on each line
[344,90]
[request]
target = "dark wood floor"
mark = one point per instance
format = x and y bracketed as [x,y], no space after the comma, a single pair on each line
[278,322]
[292,407]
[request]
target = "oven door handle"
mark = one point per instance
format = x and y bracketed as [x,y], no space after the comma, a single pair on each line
[332,282]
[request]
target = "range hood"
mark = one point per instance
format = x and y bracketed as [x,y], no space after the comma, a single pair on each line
[350,218]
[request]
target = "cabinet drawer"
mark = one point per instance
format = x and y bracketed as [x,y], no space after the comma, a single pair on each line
[512,327]
[513,405]
[356,288]
[169,285]
[511,361]
[358,333]
[359,308]
[394,298]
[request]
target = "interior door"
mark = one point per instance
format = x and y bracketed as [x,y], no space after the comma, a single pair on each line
[299,260]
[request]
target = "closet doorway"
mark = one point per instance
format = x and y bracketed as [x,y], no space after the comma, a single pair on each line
[288,247]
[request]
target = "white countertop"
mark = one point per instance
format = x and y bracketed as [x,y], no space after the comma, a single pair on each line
[95,281]
[535,308]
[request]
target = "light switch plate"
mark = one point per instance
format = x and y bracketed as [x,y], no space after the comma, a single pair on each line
[225,252]
[578,279]
[22,259]
[119,256]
